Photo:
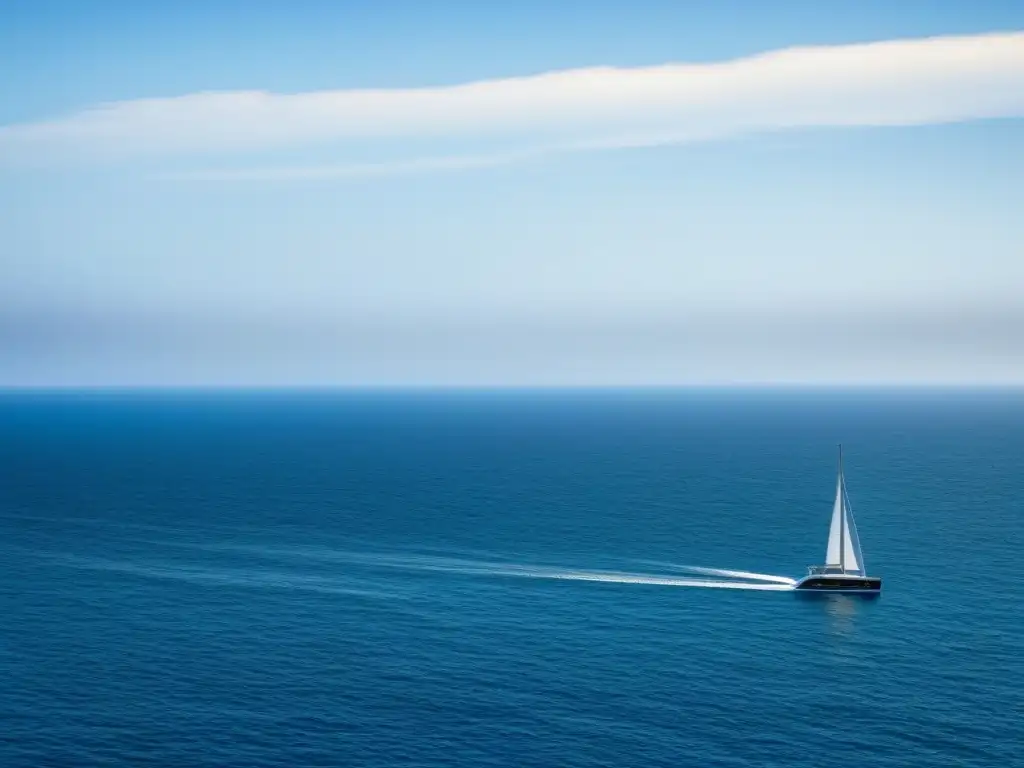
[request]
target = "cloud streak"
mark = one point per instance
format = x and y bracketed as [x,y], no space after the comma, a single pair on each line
[357,170]
[418,165]
[901,82]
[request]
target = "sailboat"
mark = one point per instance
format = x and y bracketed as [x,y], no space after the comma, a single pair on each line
[844,569]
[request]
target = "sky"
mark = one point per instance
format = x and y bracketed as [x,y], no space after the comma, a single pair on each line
[517,194]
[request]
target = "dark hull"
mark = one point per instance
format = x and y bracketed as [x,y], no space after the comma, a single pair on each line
[826,583]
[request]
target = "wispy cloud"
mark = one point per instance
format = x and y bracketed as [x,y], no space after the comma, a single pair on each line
[902,82]
[356,170]
[327,171]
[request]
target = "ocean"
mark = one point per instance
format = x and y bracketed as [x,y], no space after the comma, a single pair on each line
[507,578]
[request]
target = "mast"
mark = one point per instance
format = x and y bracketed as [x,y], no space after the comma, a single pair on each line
[842,514]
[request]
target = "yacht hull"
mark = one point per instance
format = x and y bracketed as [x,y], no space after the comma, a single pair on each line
[839,583]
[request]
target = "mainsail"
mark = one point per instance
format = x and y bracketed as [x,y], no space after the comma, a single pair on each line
[843,550]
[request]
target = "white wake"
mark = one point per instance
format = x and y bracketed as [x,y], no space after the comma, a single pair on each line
[722,572]
[719,578]
[643,578]
[761,582]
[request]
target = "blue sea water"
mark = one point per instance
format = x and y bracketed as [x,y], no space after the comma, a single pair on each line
[500,579]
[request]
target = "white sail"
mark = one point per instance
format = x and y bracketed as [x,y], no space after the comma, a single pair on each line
[836,535]
[854,557]
[843,543]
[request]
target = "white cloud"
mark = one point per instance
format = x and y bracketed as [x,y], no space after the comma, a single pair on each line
[355,170]
[327,171]
[903,82]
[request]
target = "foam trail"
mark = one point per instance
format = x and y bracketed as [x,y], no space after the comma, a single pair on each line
[742,575]
[470,567]
[465,567]
[612,577]
[638,578]
[749,575]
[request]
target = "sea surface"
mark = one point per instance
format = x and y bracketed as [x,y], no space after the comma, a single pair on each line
[507,579]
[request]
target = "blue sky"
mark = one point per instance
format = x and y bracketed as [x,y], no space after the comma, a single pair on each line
[206,193]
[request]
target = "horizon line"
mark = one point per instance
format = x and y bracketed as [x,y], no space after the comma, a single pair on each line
[342,388]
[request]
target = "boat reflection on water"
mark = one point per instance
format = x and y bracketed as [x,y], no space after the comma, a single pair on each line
[843,613]
[837,603]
